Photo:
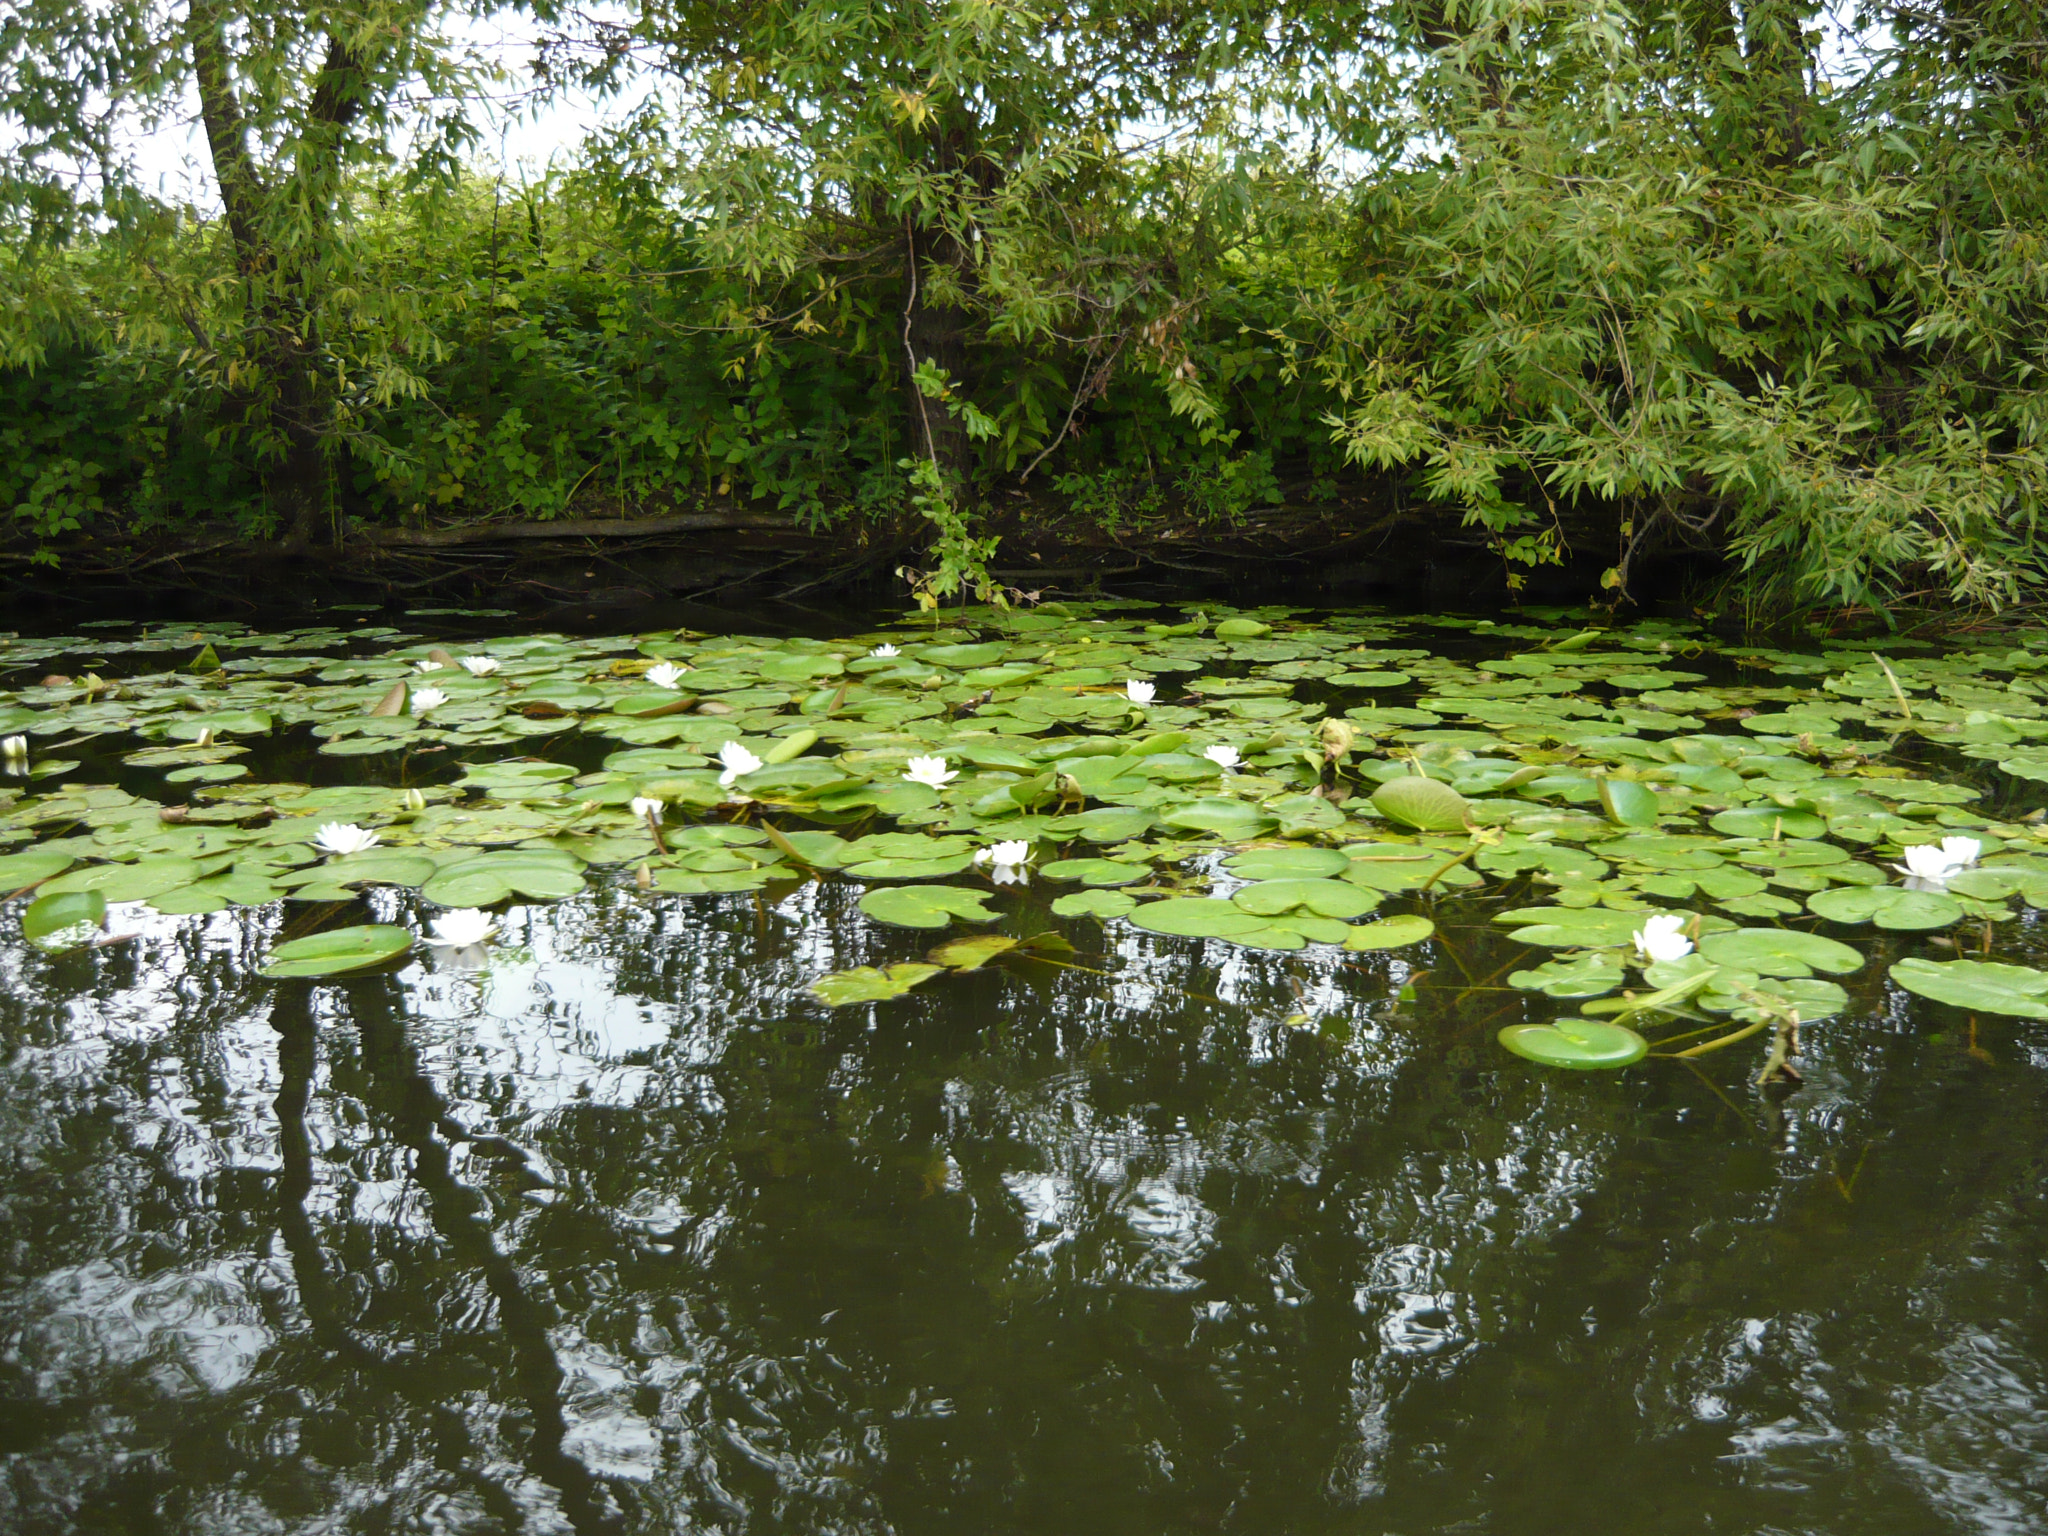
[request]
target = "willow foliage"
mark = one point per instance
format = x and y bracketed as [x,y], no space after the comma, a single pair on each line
[1590,280]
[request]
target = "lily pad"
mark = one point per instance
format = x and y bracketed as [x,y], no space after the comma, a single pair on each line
[872,984]
[1780,952]
[1323,898]
[926,906]
[1428,805]
[338,951]
[1394,932]
[1581,1044]
[1592,975]
[1888,906]
[64,921]
[1097,904]
[1985,986]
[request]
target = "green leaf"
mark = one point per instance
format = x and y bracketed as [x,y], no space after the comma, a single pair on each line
[1780,952]
[1428,805]
[1888,906]
[1096,904]
[1390,932]
[1629,803]
[1096,871]
[1592,975]
[1324,898]
[338,951]
[1984,986]
[1581,1044]
[1197,917]
[926,906]
[1288,863]
[486,879]
[867,984]
[64,921]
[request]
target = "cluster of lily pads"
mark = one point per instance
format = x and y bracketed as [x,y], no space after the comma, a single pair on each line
[1269,780]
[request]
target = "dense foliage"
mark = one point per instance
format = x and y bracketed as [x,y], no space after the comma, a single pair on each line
[1742,276]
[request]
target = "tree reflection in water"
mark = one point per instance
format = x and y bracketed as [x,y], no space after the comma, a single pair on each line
[626,1232]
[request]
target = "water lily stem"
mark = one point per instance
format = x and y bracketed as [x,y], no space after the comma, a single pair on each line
[1715,1045]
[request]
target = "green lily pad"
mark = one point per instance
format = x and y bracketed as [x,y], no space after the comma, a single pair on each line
[1780,952]
[1323,898]
[1428,805]
[338,951]
[1232,820]
[216,894]
[486,879]
[1629,803]
[1288,864]
[1096,871]
[1750,821]
[64,921]
[1888,906]
[1096,904]
[1581,1044]
[1592,975]
[1394,932]
[127,882]
[872,984]
[1984,986]
[21,870]
[1197,917]
[926,906]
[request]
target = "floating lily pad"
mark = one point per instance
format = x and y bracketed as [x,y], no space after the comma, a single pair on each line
[1987,986]
[486,879]
[338,951]
[926,906]
[1288,864]
[1428,805]
[1888,906]
[1394,932]
[872,984]
[1592,975]
[1096,904]
[1323,898]
[64,921]
[1780,952]
[1581,1044]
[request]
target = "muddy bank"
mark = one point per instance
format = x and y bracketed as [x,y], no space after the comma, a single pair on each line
[1321,554]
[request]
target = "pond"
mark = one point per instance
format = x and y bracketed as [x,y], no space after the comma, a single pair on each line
[1095,1069]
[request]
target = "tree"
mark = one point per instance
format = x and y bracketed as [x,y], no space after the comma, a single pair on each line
[297,105]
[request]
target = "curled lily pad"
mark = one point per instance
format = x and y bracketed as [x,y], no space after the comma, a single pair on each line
[872,984]
[1428,805]
[1581,1044]
[338,951]
[1985,986]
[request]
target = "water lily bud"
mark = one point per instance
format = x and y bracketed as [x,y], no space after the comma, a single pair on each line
[1338,737]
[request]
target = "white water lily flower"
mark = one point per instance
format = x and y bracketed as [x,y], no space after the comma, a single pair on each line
[885,651]
[424,699]
[1937,863]
[344,837]
[480,666]
[15,749]
[931,771]
[666,674]
[463,927]
[1225,758]
[426,666]
[1016,851]
[647,805]
[1140,692]
[1660,939]
[737,760]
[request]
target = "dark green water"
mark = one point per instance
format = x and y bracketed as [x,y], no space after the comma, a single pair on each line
[629,1233]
